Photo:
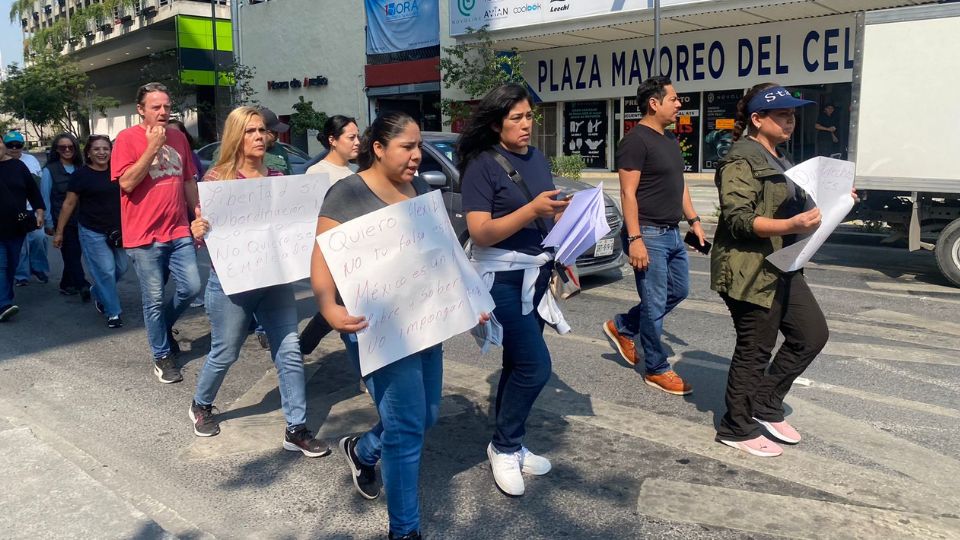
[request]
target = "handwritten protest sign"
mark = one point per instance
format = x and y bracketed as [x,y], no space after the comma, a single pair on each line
[262,229]
[404,270]
[829,183]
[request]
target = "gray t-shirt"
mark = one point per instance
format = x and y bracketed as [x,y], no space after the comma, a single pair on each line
[350,198]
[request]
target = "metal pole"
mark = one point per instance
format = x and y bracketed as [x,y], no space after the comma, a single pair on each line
[235,24]
[216,70]
[656,37]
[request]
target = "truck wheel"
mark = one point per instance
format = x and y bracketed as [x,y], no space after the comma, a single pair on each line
[948,252]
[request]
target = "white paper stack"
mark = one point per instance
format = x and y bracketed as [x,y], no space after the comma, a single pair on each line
[581,226]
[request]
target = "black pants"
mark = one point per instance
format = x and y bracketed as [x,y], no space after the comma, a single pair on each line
[316,329]
[72,254]
[755,390]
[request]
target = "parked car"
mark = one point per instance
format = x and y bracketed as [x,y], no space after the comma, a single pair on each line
[298,158]
[439,170]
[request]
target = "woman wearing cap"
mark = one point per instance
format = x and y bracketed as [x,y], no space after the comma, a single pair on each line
[761,211]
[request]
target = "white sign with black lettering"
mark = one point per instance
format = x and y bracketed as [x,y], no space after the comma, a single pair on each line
[262,229]
[403,269]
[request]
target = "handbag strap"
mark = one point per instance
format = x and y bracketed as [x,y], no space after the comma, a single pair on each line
[517,179]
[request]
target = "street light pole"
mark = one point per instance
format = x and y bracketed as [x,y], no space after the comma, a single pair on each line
[216,70]
[656,37]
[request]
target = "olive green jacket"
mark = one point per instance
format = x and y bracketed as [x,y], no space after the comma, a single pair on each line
[749,188]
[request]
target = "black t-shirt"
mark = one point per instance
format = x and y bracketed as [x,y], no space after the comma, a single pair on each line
[99,200]
[660,162]
[18,188]
[486,187]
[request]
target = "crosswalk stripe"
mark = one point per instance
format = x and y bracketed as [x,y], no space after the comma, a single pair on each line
[781,515]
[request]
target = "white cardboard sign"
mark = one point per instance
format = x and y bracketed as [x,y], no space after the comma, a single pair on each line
[404,270]
[262,229]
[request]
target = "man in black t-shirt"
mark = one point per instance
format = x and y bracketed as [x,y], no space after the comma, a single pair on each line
[828,143]
[654,199]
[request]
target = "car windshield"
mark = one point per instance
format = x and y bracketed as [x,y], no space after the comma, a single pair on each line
[447,148]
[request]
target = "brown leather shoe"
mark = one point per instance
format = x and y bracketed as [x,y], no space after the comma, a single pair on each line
[669,382]
[623,344]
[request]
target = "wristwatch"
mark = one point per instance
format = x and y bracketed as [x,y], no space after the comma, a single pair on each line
[694,220]
[630,239]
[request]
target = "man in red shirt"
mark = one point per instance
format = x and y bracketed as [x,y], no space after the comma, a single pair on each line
[154,168]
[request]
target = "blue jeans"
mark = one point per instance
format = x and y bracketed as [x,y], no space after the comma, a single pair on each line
[33,255]
[106,265]
[153,263]
[230,317]
[662,286]
[407,396]
[9,258]
[526,359]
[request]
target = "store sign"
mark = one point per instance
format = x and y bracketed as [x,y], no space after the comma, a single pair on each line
[810,51]
[585,132]
[402,25]
[503,14]
[307,82]
[720,113]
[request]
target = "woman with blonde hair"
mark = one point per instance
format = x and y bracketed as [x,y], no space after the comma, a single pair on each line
[242,150]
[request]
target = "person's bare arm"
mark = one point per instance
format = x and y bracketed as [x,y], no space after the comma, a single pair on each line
[636,250]
[689,212]
[131,178]
[325,289]
[69,204]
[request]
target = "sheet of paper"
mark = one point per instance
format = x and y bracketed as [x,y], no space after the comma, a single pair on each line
[262,229]
[404,270]
[829,183]
[581,226]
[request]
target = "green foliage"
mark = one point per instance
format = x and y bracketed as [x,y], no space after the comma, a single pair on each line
[476,68]
[306,117]
[568,166]
[52,91]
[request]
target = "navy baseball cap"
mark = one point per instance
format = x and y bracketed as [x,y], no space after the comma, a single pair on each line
[775,97]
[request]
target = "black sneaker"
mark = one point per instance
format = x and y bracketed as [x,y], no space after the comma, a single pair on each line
[115,322]
[68,291]
[166,370]
[7,312]
[364,476]
[262,340]
[84,294]
[99,306]
[302,440]
[41,277]
[21,282]
[415,535]
[204,424]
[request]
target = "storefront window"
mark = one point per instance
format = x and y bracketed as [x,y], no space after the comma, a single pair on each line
[585,132]
[545,132]
[720,113]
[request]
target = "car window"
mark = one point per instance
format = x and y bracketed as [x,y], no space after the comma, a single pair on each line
[294,151]
[429,163]
[206,153]
[447,148]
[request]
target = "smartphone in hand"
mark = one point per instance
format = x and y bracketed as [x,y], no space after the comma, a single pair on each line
[691,240]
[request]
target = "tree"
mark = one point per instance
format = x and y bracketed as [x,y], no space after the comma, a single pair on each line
[476,68]
[306,117]
[51,92]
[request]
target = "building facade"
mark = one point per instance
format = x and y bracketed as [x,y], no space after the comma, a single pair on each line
[585,59]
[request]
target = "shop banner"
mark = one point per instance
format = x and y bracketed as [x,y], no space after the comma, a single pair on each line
[402,25]
[720,113]
[585,132]
[810,51]
[502,14]
[687,131]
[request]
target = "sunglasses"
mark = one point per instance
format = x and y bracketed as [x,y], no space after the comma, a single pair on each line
[65,147]
[14,146]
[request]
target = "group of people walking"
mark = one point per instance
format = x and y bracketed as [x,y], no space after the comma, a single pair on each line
[139,198]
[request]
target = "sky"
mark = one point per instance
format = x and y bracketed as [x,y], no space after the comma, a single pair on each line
[10,37]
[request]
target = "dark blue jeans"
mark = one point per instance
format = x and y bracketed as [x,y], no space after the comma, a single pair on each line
[526,360]
[9,258]
[407,396]
[662,286]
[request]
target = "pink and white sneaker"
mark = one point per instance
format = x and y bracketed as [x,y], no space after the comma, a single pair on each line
[759,446]
[782,431]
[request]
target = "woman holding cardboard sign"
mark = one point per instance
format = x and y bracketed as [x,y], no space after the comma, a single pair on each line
[243,148]
[510,202]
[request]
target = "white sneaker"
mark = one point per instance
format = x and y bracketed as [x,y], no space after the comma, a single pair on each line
[531,463]
[506,471]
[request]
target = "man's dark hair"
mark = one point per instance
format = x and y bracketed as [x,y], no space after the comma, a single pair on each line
[654,87]
[150,87]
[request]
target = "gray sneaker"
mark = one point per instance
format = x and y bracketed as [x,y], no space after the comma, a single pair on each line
[166,370]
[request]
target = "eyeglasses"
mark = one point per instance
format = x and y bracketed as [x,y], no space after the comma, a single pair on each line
[65,147]
[14,145]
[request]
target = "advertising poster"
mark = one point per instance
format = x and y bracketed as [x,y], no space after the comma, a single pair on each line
[720,112]
[585,132]
[631,114]
[687,131]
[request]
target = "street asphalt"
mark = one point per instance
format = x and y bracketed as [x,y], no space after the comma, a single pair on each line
[93,446]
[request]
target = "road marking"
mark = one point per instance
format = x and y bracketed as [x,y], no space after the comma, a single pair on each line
[890,353]
[780,515]
[913,287]
[895,317]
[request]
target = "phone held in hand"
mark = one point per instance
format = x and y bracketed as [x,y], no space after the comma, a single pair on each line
[564,195]
[691,240]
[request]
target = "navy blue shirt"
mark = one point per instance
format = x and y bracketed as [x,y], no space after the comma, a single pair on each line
[485,187]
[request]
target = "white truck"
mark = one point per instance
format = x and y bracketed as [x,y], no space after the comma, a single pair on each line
[905,126]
